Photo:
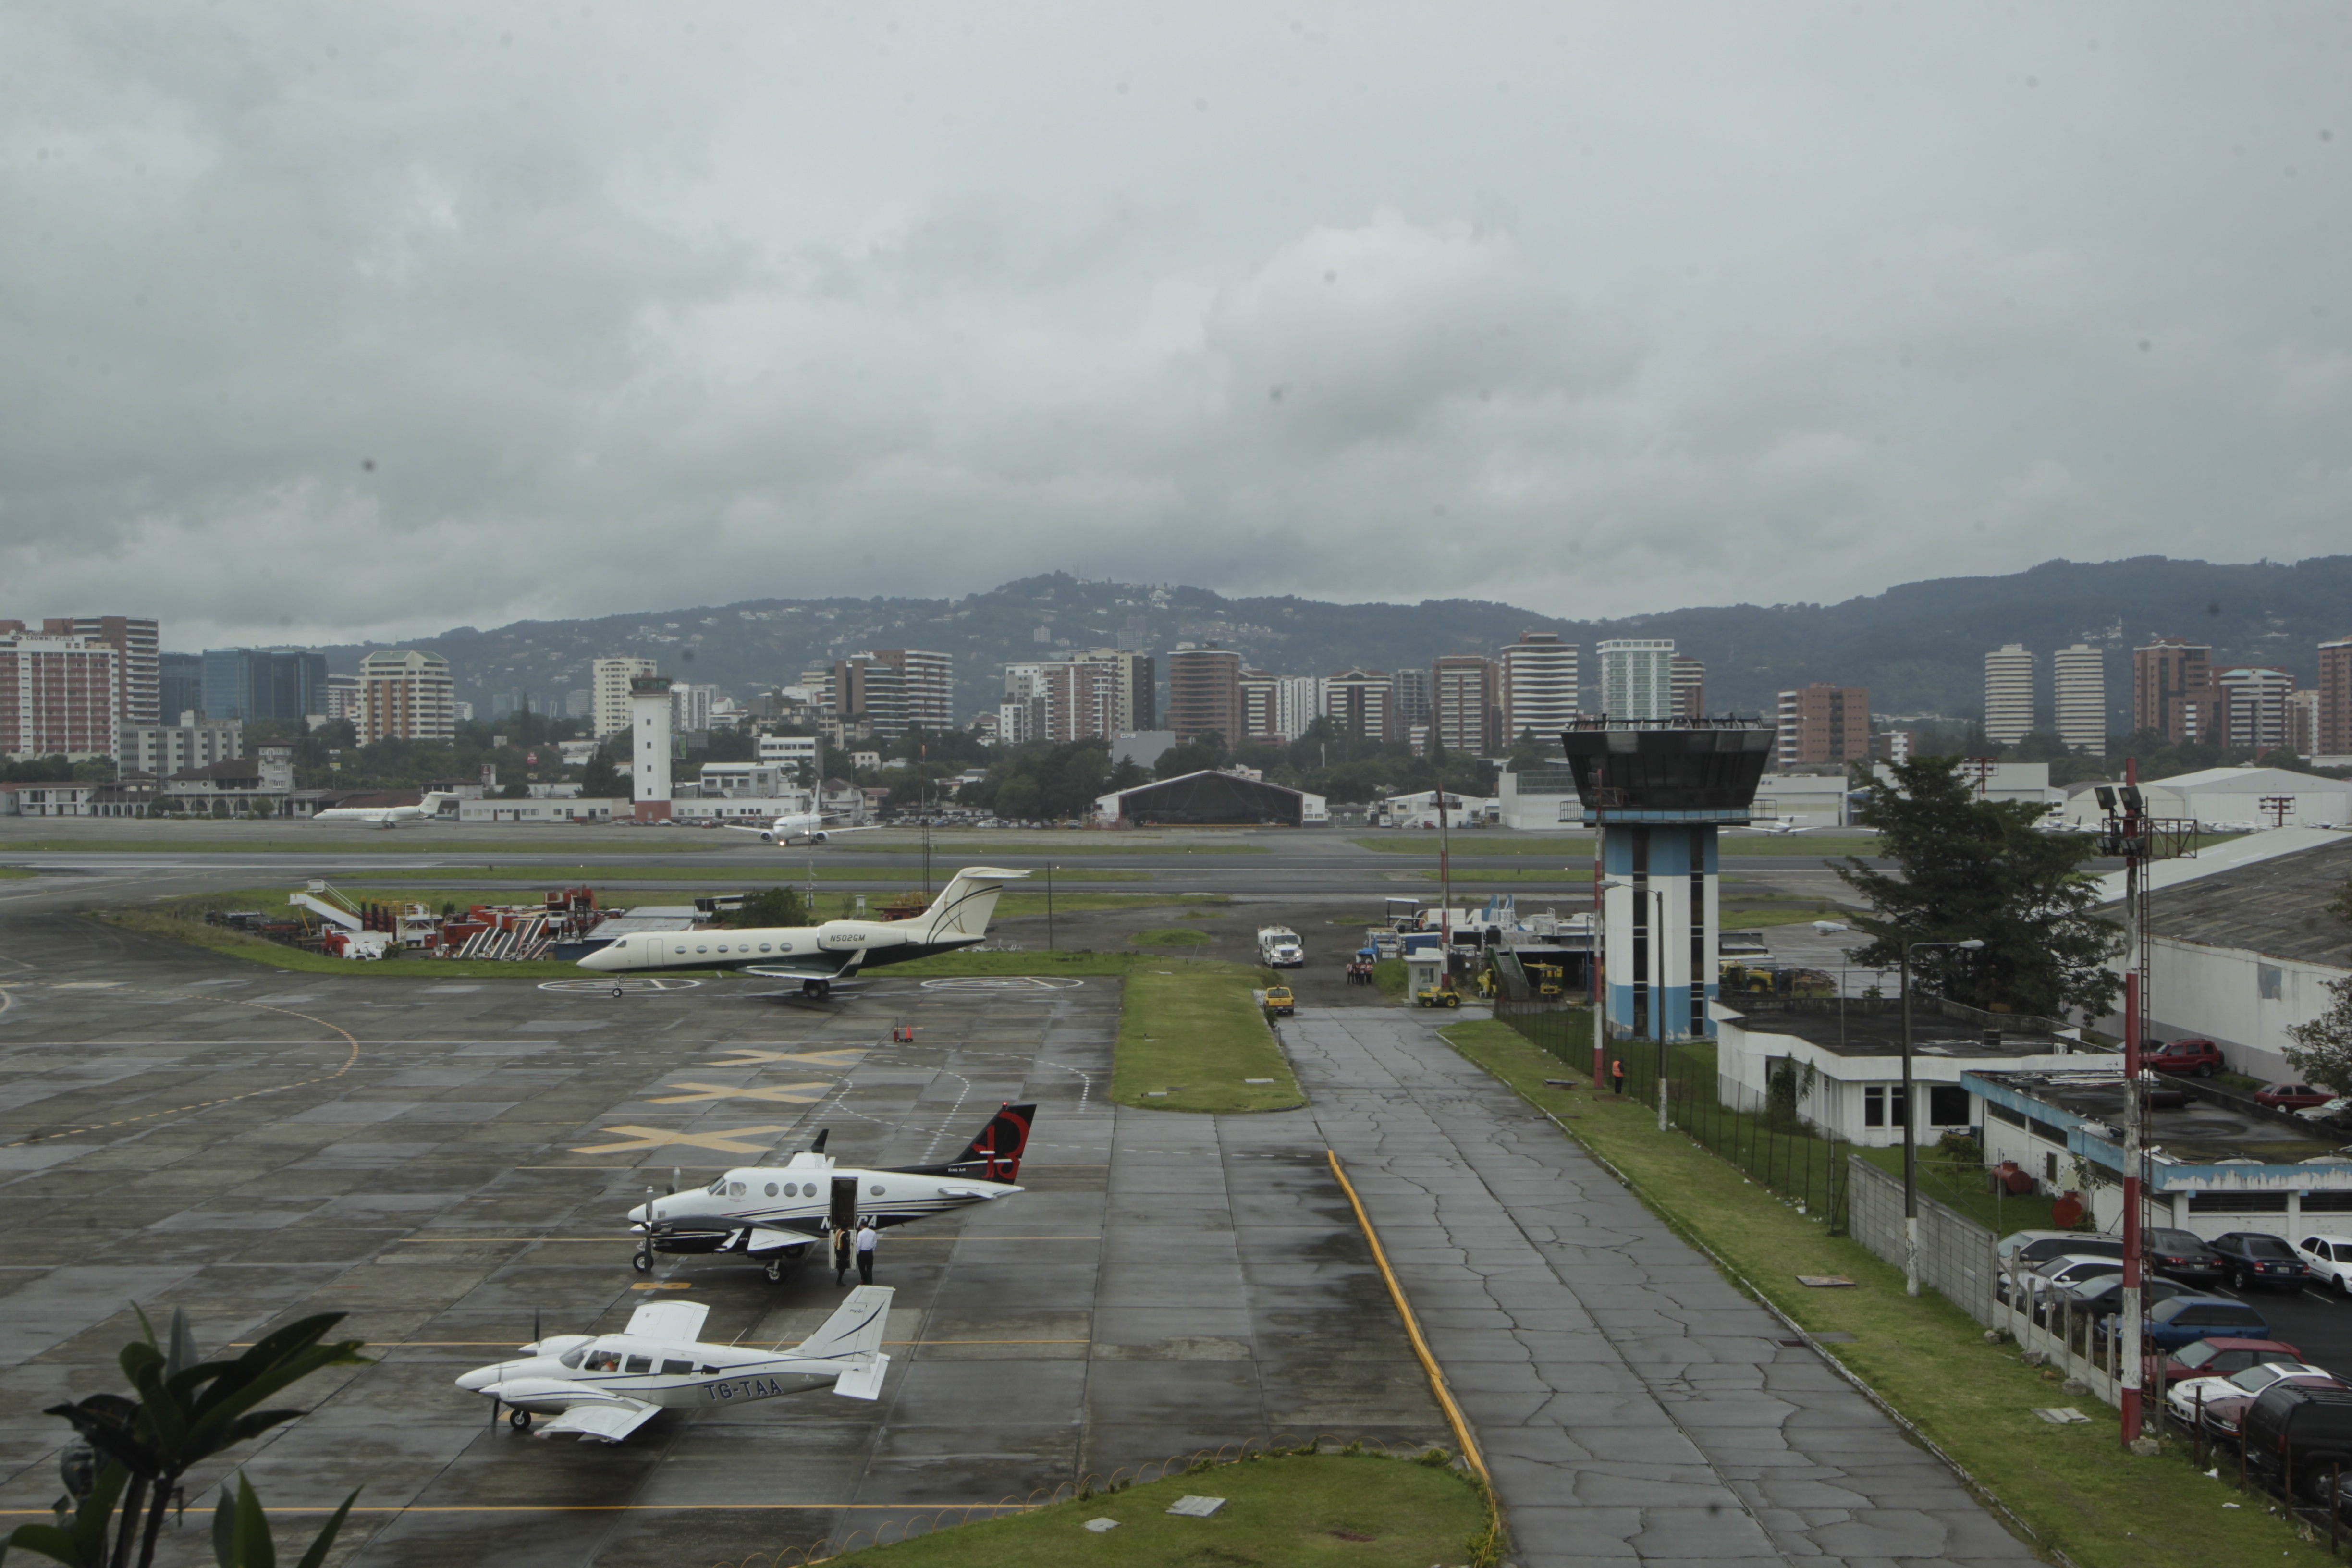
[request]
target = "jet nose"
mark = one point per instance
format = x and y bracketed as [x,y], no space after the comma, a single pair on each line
[639,1215]
[480,1378]
[602,958]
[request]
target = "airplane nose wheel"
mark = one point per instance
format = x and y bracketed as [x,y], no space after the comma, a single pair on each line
[775,1268]
[641,1260]
[519,1419]
[616,991]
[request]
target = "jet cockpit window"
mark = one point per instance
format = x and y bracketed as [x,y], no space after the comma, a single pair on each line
[572,1359]
[716,1189]
[603,1361]
[641,1363]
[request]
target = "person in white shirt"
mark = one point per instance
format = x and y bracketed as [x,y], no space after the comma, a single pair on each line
[866,1238]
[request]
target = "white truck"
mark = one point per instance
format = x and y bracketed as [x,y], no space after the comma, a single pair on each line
[1278,948]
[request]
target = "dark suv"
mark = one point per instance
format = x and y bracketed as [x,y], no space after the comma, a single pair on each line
[2294,1435]
[2254,1257]
[2191,1055]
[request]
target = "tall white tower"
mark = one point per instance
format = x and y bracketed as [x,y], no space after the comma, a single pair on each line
[2008,694]
[649,745]
[1637,677]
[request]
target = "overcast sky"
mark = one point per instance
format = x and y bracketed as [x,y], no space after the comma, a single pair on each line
[320,323]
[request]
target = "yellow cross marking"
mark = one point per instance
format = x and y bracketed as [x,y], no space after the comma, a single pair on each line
[782,1094]
[746,1057]
[727,1143]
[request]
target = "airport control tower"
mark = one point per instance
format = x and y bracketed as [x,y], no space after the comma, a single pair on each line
[1658,790]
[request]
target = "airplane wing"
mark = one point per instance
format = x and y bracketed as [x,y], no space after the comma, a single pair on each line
[738,827]
[606,1422]
[680,1321]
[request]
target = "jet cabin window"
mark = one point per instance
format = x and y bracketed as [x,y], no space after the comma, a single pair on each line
[676,1368]
[641,1363]
[734,1189]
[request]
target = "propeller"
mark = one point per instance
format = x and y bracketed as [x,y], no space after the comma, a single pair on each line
[674,1174]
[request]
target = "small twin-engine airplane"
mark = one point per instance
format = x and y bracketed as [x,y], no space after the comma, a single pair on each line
[776,1213]
[1777,825]
[807,827]
[820,957]
[387,816]
[605,1386]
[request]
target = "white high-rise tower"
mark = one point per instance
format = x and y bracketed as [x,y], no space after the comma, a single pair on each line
[2008,694]
[2079,674]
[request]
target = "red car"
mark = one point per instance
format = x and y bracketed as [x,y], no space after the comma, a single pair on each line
[2219,1358]
[2292,1096]
[2190,1054]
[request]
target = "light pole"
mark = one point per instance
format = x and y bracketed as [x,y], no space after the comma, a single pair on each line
[1911,1123]
[1049,906]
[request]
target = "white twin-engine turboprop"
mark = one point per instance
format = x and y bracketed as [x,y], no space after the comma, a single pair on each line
[820,956]
[424,810]
[605,1386]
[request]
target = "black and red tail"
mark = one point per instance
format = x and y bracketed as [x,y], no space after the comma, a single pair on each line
[995,1155]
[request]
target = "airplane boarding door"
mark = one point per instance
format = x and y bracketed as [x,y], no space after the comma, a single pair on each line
[843,1212]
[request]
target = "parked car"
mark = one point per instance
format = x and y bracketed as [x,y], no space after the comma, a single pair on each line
[2182,1254]
[2192,1394]
[2190,1054]
[2329,1257]
[2256,1258]
[2295,1435]
[2291,1095]
[2028,1248]
[2103,1295]
[2055,1274]
[2206,1357]
[2184,1320]
[2225,1417]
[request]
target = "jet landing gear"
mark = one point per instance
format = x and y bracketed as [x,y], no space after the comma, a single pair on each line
[642,1260]
[776,1270]
[816,990]
[519,1419]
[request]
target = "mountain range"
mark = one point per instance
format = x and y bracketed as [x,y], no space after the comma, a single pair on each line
[1919,646]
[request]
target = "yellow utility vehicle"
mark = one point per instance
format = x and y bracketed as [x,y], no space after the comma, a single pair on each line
[1279,1001]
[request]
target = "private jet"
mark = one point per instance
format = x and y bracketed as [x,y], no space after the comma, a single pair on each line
[387,815]
[823,958]
[776,1213]
[605,1386]
[1777,826]
[807,827]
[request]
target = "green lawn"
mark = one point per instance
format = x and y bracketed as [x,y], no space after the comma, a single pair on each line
[1297,1511]
[1463,873]
[297,838]
[8,871]
[1477,841]
[2078,1489]
[1068,961]
[1169,936]
[780,871]
[1198,1036]
[1388,973]
[276,955]
[1048,845]
[1733,845]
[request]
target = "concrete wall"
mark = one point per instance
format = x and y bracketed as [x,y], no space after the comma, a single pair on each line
[1955,1252]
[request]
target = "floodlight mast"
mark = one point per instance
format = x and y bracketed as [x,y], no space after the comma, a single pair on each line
[2135,1290]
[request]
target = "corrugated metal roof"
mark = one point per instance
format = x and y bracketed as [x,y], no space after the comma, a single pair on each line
[2276,907]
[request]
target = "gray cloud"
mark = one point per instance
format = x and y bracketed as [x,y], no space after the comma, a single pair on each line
[1593,308]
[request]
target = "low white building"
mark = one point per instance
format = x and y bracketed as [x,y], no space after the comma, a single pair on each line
[1837,1063]
[165,749]
[1420,809]
[788,752]
[541,811]
[749,781]
[2236,797]
[738,811]
[1539,799]
[1813,800]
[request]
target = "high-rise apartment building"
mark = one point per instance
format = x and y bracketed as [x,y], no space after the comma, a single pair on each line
[1539,688]
[1409,702]
[1467,690]
[2172,689]
[1059,701]
[1298,703]
[1690,687]
[1204,692]
[2078,679]
[2008,694]
[1823,723]
[405,695]
[2332,711]
[164,749]
[610,679]
[256,683]
[138,673]
[1637,677]
[1260,690]
[58,695]
[926,689]
[1361,702]
[2302,722]
[2253,706]
[1134,688]
[690,705]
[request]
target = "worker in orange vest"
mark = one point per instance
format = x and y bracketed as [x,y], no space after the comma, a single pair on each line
[1617,1076]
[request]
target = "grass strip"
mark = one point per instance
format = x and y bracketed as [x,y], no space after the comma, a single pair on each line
[1197,1036]
[1476,841]
[6,872]
[780,871]
[2074,1485]
[1074,961]
[1473,876]
[1169,936]
[276,955]
[1303,1510]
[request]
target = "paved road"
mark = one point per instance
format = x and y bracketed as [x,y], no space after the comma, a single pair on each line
[1631,1402]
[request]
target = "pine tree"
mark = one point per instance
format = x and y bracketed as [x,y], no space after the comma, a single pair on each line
[1968,868]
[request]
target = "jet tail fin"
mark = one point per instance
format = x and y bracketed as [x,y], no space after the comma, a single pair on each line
[995,1155]
[855,1328]
[965,904]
